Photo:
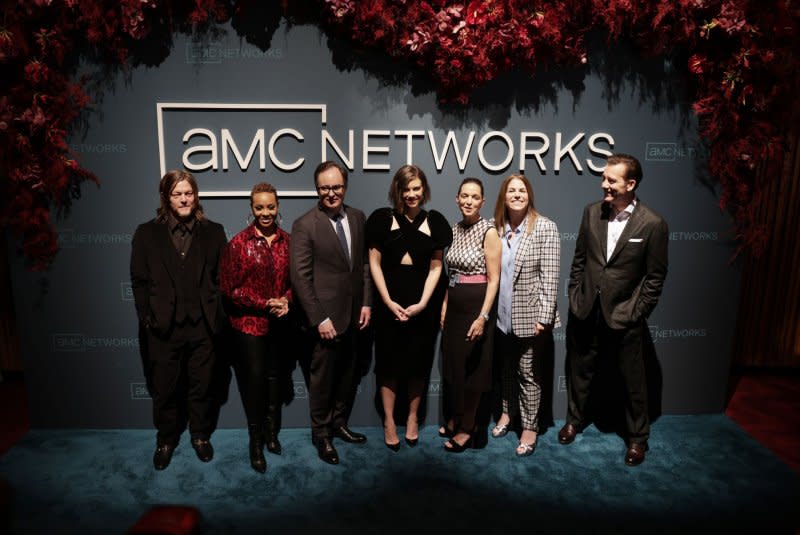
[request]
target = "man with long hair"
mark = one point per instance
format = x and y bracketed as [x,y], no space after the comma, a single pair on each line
[174,274]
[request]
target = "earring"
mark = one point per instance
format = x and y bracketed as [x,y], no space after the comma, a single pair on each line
[249,219]
[279,219]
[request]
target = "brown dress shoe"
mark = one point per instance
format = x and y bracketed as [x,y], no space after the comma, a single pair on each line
[635,454]
[348,435]
[163,455]
[567,434]
[326,450]
[203,449]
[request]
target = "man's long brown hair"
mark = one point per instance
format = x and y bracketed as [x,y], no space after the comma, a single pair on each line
[165,187]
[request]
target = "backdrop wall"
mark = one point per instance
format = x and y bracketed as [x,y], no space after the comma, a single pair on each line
[210,103]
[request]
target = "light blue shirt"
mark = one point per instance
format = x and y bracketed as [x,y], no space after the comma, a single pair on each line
[510,239]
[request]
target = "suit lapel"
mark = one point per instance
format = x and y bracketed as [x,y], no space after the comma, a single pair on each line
[166,248]
[525,241]
[355,236]
[631,228]
[328,234]
[198,250]
[602,228]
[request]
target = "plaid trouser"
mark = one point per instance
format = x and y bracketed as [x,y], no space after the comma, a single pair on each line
[521,388]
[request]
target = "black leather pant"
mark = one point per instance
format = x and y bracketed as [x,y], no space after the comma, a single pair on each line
[257,367]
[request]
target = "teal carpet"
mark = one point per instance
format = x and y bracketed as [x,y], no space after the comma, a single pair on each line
[703,473]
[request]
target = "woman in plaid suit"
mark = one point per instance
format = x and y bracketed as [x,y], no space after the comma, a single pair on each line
[526,313]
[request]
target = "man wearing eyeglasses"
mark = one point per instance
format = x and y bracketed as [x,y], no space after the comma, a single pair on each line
[330,279]
[174,277]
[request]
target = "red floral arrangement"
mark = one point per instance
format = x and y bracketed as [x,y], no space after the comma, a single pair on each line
[742,62]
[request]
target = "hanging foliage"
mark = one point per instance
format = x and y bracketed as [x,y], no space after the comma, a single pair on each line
[741,61]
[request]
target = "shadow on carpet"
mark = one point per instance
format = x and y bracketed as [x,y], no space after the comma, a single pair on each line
[702,473]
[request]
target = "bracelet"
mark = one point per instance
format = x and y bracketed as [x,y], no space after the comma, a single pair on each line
[484,315]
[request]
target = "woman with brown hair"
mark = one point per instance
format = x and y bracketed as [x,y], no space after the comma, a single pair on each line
[468,316]
[405,258]
[526,305]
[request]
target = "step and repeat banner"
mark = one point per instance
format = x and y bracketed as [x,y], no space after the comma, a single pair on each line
[236,115]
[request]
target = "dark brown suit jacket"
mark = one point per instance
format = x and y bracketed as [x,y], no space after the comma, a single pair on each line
[630,282]
[323,281]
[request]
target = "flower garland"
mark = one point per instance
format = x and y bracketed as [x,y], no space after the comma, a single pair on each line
[741,60]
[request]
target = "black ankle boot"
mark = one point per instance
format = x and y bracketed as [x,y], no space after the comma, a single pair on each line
[257,460]
[273,444]
[273,426]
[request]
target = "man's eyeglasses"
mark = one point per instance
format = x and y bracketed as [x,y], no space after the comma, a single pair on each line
[337,189]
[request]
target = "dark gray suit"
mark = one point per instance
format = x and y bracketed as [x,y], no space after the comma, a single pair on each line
[609,302]
[327,286]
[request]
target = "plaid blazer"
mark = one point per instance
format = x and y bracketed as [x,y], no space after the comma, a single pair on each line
[536,274]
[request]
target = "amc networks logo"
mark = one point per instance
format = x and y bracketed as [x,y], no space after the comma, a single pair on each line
[78,342]
[663,334]
[139,391]
[126,291]
[300,390]
[562,383]
[568,236]
[694,235]
[99,148]
[72,239]
[216,53]
[435,388]
[667,152]
[68,342]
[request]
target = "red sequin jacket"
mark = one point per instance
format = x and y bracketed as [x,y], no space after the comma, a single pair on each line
[251,273]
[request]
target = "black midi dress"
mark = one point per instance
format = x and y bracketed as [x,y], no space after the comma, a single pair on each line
[406,349]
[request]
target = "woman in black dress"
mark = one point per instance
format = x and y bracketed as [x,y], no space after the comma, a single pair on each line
[468,316]
[405,259]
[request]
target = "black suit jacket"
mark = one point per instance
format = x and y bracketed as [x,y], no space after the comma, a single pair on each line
[155,268]
[323,281]
[629,283]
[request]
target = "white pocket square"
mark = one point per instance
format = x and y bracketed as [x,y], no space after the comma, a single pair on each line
[636,240]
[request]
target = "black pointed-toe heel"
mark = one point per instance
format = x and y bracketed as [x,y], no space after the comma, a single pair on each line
[392,446]
[412,442]
[444,432]
[455,447]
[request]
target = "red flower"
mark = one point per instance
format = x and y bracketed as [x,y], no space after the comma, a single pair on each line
[461,43]
[696,64]
[475,14]
[36,72]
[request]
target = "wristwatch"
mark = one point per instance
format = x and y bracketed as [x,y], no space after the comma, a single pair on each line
[484,315]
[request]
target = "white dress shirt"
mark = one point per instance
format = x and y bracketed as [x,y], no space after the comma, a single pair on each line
[615,227]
